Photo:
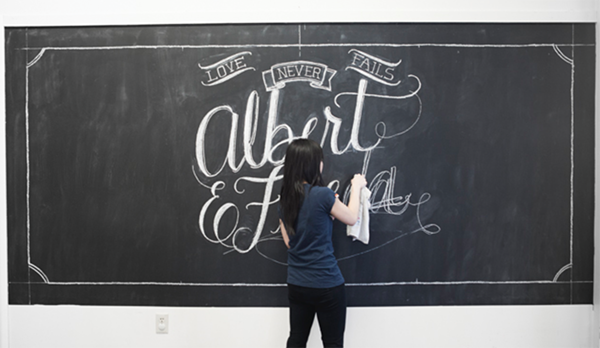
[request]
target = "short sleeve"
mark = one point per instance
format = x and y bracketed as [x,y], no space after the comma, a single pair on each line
[327,199]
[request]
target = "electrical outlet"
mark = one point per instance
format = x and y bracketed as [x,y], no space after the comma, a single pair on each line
[162,323]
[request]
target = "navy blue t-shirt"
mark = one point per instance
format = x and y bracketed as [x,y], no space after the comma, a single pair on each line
[311,262]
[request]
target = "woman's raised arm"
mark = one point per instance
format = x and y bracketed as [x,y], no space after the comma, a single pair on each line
[349,214]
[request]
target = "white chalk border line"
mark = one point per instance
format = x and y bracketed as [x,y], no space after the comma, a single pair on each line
[554,46]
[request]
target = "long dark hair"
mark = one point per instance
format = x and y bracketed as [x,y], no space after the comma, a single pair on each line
[302,164]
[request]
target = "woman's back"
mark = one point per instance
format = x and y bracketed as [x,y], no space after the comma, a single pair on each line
[311,261]
[315,283]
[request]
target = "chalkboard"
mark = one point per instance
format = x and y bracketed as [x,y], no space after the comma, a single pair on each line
[144,163]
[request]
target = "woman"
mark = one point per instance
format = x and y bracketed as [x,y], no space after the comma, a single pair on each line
[307,208]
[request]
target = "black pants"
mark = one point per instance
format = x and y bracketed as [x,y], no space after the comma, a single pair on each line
[329,305]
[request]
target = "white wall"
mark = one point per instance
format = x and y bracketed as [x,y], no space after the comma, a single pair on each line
[498,326]
[459,327]
[596,325]
[72,12]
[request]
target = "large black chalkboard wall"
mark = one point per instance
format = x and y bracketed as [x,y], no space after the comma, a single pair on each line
[144,163]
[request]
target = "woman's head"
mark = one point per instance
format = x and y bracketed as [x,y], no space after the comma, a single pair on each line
[303,164]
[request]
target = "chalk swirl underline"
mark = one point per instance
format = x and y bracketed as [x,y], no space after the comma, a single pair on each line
[382,96]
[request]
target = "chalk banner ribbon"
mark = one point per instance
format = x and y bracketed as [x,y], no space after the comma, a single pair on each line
[317,74]
[374,68]
[226,69]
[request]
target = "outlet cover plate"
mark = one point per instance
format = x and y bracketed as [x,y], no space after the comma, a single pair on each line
[162,323]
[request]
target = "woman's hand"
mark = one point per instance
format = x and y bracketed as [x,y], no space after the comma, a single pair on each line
[286,238]
[349,214]
[358,182]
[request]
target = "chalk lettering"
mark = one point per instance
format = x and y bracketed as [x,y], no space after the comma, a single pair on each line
[282,73]
[210,77]
[226,69]
[240,63]
[318,75]
[354,137]
[231,239]
[245,238]
[357,57]
[201,140]
[221,71]
[388,74]
[371,67]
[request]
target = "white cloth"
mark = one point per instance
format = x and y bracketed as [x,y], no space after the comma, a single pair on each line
[360,230]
